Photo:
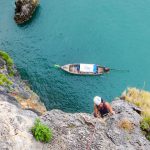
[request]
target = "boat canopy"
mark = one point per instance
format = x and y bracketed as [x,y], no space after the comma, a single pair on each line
[88,68]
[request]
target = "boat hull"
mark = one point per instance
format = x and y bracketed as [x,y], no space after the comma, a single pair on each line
[74,69]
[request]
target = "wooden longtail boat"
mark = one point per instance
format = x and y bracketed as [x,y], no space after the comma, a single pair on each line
[85,69]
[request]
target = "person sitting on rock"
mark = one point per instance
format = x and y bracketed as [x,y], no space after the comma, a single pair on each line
[102,108]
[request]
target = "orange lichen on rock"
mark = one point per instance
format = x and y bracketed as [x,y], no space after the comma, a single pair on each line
[32,103]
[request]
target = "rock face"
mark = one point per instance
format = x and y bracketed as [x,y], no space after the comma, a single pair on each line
[24,10]
[82,131]
[15,124]
[79,131]
[18,89]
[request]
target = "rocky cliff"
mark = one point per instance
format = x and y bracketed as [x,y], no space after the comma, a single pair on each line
[12,85]
[82,131]
[15,124]
[79,131]
[19,106]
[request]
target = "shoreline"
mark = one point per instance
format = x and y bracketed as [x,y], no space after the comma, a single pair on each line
[20,106]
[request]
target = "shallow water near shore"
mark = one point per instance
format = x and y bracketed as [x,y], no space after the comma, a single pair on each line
[110,33]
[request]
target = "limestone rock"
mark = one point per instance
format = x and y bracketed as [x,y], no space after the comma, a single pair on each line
[24,10]
[19,90]
[15,125]
[78,131]
[82,131]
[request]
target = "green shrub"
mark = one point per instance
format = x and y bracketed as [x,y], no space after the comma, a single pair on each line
[4,80]
[148,136]
[8,60]
[41,132]
[145,126]
[6,57]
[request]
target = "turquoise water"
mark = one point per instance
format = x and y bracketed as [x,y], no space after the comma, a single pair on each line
[114,33]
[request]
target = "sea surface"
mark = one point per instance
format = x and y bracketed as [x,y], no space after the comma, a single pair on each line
[113,33]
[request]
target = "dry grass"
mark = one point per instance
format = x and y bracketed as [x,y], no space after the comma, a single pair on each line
[126,124]
[140,98]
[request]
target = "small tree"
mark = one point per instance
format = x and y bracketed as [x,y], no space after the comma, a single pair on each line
[41,132]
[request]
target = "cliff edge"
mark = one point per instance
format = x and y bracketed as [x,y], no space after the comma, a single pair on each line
[12,85]
[78,131]
[20,106]
[81,131]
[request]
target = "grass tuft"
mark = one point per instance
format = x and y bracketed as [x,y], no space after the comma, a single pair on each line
[126,124]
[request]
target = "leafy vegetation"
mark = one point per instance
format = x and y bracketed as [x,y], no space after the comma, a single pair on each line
[145,126]
[8,60]
[140,98]
[4,80]
[41,132]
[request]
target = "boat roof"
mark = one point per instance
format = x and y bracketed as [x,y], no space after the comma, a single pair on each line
[88,67]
